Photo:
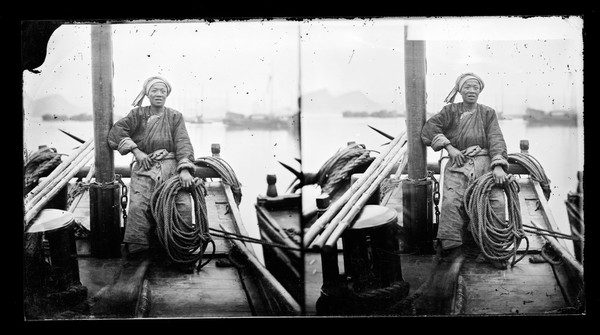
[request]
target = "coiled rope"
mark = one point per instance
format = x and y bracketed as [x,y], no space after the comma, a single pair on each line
[338,168]
[535,169]
[226,173]
[39,164]
[498,240]
[184,242]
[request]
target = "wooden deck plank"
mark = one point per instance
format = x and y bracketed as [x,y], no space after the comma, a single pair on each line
[527,288]
[213,291]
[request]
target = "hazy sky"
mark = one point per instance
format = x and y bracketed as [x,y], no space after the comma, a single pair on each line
[253,66]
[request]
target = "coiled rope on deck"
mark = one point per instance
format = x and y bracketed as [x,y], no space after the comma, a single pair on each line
[225,172]
[351,159]
[184,242]
[498,240]
[535,169]
[40,163]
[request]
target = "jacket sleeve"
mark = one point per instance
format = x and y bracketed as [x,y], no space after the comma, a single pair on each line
[432,133]
[184,151]
[496,143]
[119,136]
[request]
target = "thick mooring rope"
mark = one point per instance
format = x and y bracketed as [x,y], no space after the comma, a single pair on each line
[40,163]
[226,173]
[354,158]
[497,240]
[184,242]
[535,169]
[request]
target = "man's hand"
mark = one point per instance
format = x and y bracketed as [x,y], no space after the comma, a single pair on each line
[455,155]
[185,178]
[500,177]
[144,160]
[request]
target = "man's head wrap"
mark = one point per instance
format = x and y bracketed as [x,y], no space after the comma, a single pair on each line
[146,88]
[460,81]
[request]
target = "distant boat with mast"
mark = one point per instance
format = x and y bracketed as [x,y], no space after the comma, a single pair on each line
[268,120]
[554,117]
[259,121]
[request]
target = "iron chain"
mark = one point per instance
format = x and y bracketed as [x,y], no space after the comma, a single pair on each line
[436,195]
[124,198]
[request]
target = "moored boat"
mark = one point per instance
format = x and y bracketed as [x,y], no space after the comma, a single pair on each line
[545,279]
[231,283]
[258,121]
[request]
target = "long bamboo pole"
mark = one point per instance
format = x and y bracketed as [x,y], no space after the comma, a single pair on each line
[318,226]
[386,164]
[30,214]
[281,293]
[357,207]
[60,168]
[75,164]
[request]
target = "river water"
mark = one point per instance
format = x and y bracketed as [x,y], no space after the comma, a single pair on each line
[255,153]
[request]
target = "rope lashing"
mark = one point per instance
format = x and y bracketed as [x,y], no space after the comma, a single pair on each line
[546,232]
[184,242]
[243,238]
[351,159]
[498,240]
[535,169]
[39,164]
[224,170]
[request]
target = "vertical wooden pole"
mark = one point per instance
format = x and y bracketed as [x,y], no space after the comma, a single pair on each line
[414,71]
[416,190]
[105,225]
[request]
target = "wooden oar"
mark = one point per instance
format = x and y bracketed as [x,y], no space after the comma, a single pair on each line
[388,136]
[282,295]
[73,136]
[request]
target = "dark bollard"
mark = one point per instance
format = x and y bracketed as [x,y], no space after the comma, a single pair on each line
[371,249]
[524,146]
[63,253]
[215,149]
[271,188]
[64,284]
[323,200]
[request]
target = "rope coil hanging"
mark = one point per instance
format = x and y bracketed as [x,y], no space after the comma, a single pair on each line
[535,169]
[351,159]
[40,163]
[185,243]
[497,240]
[226,173]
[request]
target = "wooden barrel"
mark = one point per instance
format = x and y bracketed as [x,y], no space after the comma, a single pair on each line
[372,250]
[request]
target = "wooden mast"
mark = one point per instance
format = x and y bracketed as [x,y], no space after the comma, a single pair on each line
[105,225]
[416,190]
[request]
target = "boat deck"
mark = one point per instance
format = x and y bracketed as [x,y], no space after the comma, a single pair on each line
[526,288]
[219,289]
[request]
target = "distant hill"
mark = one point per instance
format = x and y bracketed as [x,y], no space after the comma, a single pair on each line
[322,101]
[52,104]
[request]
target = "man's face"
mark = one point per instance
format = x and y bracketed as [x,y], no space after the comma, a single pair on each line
[158,94]
[470,91]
